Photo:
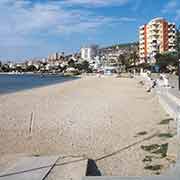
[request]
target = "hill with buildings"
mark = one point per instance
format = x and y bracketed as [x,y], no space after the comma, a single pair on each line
[123,45]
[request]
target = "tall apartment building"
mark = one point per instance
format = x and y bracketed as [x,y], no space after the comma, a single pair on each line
[56,56]
[157,36]
[89,52]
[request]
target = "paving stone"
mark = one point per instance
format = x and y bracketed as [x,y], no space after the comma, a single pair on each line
[133,178]
[69,169]
[29,168]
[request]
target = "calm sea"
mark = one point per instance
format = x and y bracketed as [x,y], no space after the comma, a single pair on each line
[13,83]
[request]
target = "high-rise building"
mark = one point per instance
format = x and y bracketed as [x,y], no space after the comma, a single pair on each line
[157,36]
[89,52]
[56,56]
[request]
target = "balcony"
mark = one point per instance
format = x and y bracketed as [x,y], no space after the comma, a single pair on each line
[141,32]
[172,34]
[172,40]
[141,37]
[141,41]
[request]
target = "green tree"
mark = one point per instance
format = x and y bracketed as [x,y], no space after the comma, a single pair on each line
[0,66]
[178,42]
[134,57]
[124,60]
[85,65]
[19,69]
[5,68]
[71,63]
[31,68]
[165,59]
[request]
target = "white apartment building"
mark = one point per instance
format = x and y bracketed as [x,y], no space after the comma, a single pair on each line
[55,56]
[88,53]
[157,36]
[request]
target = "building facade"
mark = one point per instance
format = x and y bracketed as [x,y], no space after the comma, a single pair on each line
[89,53]
[56,56]
[157,36]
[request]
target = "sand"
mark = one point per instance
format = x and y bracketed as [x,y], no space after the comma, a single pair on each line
[89,117]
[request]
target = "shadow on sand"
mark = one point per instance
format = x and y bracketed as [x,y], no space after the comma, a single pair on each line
[92,169]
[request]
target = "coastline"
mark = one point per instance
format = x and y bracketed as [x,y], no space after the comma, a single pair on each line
[11,83]
[91,116]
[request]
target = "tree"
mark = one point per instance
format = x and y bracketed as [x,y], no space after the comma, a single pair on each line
[5,68]
[0,66]
[178,42]
[166,59]
[134,57]
[31,68]
[121,59]
[124,60]
[83,66]
[19,69]
[71,63]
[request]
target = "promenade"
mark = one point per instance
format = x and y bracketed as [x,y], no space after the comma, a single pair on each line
[106,119]
[171,95]
[173,81]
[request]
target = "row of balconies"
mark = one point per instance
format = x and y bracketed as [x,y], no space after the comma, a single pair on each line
[142,46]
[141,49]
[154,50]
[172,29]
[153,35]
[158,27]
[141,32]
[172,34]
[171,37]
[156,33]
[171,40]
[172,26]
[141,41]
[142,27]
[141,37]
[141,52]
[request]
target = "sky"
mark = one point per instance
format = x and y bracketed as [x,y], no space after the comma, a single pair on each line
[37,28]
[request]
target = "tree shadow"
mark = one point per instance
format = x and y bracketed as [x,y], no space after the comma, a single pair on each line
[92,169]
[166,121]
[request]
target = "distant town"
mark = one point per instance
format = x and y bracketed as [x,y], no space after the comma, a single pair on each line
[157,49]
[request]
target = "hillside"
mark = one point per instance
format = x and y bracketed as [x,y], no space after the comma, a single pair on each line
[124,45]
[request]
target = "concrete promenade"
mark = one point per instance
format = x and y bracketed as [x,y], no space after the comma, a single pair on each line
[169,98]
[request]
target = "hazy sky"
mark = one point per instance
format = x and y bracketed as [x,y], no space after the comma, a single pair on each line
[36,28]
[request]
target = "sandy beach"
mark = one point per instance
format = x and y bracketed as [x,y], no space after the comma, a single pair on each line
[90,117]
